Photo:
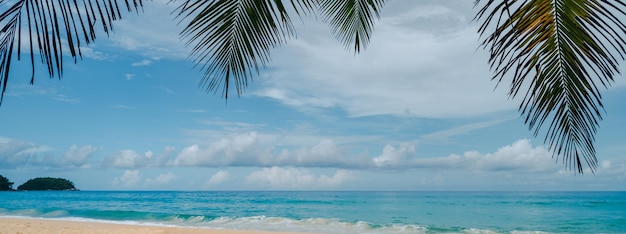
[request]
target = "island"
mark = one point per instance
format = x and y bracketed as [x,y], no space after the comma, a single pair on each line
[47,183]
[5,184]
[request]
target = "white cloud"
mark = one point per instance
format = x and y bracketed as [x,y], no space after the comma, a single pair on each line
[22,154]
[520,156]
[78,156]
[423,61]
[337,179]
[65,98]
[162,179]
[228,125]
[252,149]
[17,153]
[164,158]
[41,91]
[90,52]
[145,62]
[612,168]
[153,33]
[444,135]
[237,150]
[218,178]
[121,107]
[129,159]
[246,150]
[296,178]
[129,76]
[323,154]
[167,90]
[392,156]
[128,179]
[430,180]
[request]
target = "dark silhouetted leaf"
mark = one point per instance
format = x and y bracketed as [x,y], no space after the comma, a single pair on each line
[560,51]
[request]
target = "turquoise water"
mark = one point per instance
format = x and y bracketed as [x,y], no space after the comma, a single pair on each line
[336,212]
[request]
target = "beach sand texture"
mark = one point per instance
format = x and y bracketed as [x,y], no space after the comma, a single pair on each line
[37,226]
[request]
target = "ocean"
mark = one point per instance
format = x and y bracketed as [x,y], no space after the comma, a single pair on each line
[334,212]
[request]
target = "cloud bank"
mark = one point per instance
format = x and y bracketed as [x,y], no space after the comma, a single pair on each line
[244,150]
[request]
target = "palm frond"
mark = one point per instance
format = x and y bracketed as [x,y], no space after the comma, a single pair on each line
[352,21]
[53,26]
[561,51]
[230,38]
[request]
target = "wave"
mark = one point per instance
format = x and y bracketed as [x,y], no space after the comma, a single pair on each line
[263,223]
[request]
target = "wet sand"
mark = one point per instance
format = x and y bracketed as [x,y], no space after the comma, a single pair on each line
[28,226]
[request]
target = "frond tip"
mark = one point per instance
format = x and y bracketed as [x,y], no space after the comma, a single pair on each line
[352,20]
[561,51]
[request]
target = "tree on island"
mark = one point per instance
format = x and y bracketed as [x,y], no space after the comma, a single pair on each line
[556,54]
[47,183]
[5,184]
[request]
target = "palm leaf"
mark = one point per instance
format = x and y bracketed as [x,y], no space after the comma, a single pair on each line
[352,20]
[52,27]
[561,51]
[230,38]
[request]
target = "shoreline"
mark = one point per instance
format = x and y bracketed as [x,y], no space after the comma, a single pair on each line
[27,225]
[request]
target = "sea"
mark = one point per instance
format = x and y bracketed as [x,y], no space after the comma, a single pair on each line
[333,212]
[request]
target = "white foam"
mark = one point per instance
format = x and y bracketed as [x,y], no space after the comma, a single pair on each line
[56,213]
[264,223]
[309,225]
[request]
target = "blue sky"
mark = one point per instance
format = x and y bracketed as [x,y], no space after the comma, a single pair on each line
[415,111]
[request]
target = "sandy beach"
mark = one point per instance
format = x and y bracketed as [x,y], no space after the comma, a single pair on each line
[28,226]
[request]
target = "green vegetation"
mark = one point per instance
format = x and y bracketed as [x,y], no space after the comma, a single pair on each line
[5,184]
[38,184]
[47,183]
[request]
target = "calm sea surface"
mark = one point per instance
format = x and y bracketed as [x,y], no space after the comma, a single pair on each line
[336,212]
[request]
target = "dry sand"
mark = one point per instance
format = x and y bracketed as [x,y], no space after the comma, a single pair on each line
[28,226]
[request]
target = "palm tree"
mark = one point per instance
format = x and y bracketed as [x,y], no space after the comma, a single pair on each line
[559,51]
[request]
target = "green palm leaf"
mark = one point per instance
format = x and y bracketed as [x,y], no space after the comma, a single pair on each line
[352,20]
[52,26]
[232,38]
[561,51]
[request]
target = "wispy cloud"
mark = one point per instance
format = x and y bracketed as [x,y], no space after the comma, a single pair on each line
[129,76]
[167,90]
[41,91]
[153,34]
[218,178]
[128,159]
[145,62]
[445,135]
[194,111]
[121,107]
[79,156]
[93,53]
[230,125]
[19,154]
[413,67]
[162,179]
[64,98]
